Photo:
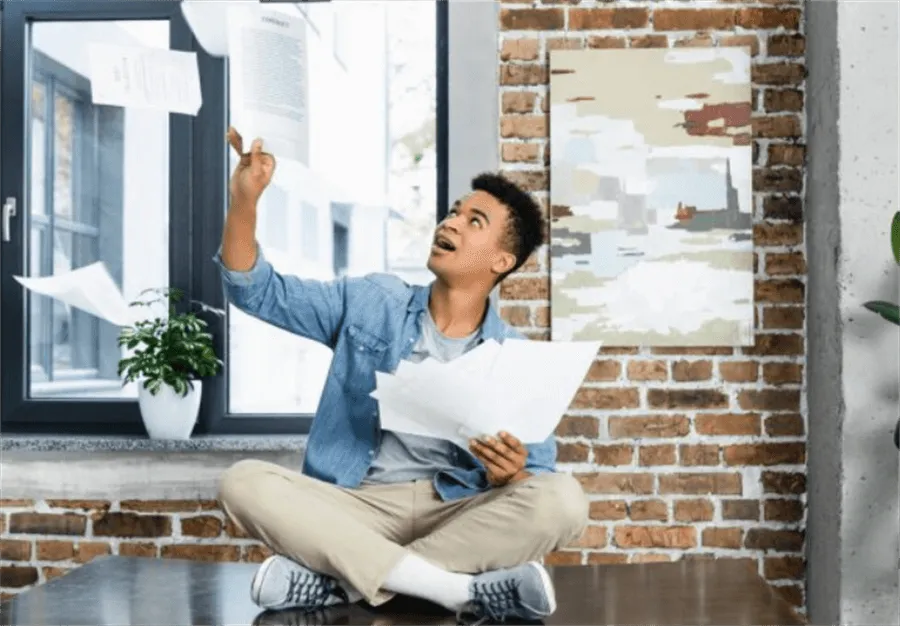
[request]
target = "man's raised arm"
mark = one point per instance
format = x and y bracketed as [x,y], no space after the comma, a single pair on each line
[309,308]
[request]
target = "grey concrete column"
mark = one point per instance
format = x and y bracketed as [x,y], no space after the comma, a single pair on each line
[853,526]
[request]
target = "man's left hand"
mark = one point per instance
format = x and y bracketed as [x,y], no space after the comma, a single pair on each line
[503,457]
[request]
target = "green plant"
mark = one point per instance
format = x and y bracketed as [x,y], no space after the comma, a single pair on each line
[171,350]
[889,310]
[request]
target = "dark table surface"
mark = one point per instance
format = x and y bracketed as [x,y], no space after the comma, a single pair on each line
[120,591]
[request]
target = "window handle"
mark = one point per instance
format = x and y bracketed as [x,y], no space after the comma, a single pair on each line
[9,212]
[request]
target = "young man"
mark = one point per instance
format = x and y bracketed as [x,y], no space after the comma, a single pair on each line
[376,513]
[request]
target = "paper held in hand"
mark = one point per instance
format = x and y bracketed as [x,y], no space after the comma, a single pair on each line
[520,386]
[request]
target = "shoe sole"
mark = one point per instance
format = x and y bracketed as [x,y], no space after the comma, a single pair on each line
[549,589]
[256,584]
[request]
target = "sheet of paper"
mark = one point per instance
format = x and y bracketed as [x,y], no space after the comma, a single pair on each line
[208,20]
[147,78]
[267,72]
[523,387]
[89,288]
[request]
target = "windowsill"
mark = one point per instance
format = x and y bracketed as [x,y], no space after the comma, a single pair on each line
[200,443]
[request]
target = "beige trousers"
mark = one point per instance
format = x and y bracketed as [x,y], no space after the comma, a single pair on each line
[359,535]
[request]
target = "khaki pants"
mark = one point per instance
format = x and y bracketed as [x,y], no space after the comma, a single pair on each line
[359,535]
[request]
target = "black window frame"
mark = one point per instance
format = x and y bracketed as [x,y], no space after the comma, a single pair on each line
[198,162]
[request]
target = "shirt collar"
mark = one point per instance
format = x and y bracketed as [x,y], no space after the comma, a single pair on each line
[493,326]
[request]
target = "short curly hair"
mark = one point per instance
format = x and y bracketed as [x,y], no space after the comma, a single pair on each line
[525,223]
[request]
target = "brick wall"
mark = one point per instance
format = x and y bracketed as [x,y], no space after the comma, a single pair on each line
[45,539]
[686,453]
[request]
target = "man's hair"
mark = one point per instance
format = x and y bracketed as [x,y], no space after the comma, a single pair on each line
[525,223]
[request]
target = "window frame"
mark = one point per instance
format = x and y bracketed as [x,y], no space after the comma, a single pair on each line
[198,161]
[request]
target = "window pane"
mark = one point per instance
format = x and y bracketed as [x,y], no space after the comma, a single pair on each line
[99,191]
[366,199]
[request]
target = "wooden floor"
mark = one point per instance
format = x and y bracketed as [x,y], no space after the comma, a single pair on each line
[123,591]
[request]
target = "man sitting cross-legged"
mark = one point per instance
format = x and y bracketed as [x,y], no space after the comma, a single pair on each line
[376,513]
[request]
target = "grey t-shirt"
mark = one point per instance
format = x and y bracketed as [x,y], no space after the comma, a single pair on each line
[403,457]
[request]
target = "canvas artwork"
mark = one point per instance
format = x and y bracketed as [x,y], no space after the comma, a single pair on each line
[651,197]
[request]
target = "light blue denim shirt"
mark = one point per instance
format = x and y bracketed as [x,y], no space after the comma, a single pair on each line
[371,323]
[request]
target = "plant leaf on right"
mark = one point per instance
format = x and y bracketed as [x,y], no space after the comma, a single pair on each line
[889,310]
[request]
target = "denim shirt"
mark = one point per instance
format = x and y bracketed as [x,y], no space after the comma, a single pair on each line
[371,323]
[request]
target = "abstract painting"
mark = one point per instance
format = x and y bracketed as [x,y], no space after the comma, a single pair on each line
[651,240]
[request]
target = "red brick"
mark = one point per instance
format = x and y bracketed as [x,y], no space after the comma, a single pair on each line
[606,398]
[780,291]
[617,454]
[201,526]
[699,454]
[606,19]
[255,553]
[722,538]
[655,536]
[205,553]
[518,101]
[786,45]
[688,371]
[608,509]
[523,74]
[728,424]
[650,426]
[740,510]
[776,344]
[592,537]
[532,19]
[789,425]
[686,399]
[562,558]
[15,576]
[571,426]
[523,49]
[784,567]
[616,482]
[87,551]
[693,19]
[777,73]
[738,371]
[55,550]
[648,370]
[781,208]
[785,263]
[782,373]
[47,523]
[785,483]
[783,318]
[524,289]
[648,511]
[604,43]
[769,18]
[138,549]
[780,101]
[166,506]
[786,154]
[132,525]
[606,558]
[733,41]
[769,400]
[648,41]
[778,510]
[15,550]
[606,370]
[649,557]
[572,453]
[696,510]
[776,540]
[701,483]
[765,454]
[524,126]
[657,455]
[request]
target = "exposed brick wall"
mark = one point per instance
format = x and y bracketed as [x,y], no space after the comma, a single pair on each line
[42,540]
[686,453]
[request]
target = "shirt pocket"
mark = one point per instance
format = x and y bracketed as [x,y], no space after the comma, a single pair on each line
[365,354]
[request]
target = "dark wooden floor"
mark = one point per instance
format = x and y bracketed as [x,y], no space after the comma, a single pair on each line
[120,591]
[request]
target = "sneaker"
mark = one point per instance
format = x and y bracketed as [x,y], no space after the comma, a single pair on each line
[280,583]
[524,592]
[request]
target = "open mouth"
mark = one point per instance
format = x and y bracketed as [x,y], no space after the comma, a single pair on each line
[444,244]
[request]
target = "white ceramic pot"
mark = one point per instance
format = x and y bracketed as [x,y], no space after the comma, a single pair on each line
[168,414]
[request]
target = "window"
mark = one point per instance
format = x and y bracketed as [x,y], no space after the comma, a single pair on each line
[145,193]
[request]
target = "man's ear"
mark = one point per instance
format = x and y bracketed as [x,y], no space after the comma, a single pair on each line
[503,262]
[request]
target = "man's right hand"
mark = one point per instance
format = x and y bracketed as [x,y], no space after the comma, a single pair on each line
[252,174]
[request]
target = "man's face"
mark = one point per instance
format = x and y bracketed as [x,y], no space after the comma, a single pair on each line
[469,243]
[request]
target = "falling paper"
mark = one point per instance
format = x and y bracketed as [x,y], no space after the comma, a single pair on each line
[89,288]
[267,73]
[208,20]
[523,387]
[147,78]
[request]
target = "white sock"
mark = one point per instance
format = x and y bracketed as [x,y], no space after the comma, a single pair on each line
[414,576]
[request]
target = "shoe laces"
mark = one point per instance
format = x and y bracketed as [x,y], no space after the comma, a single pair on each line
[312,590]
[493,600]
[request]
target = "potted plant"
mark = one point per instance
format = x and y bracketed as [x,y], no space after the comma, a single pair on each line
[889,310]
[169,354]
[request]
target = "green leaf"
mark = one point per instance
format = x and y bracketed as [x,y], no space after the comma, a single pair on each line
[887,310]
[895,237]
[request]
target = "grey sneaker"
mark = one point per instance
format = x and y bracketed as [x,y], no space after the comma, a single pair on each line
[524,592]
[280,583]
